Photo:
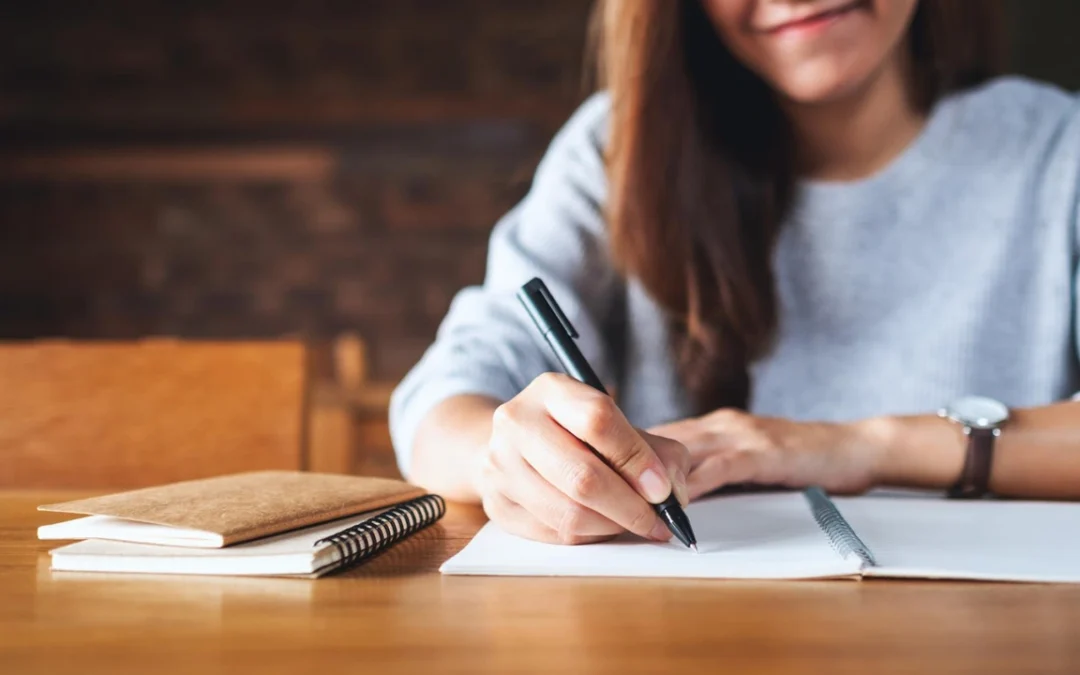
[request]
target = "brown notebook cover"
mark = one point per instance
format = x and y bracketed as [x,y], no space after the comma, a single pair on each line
[245,506]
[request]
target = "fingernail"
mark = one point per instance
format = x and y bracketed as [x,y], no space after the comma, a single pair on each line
[654,486]
[660,532]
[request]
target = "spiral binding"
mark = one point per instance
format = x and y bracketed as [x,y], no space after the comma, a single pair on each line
[836,528]
[364,540]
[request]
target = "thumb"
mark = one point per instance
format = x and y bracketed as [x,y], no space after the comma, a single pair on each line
[676,459]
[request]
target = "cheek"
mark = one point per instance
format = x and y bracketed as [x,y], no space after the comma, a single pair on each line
[731,19]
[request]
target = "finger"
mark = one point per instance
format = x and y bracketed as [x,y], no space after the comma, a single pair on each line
[569,466]
[566,463]
[698,440]
[676,459]
[517,520]
[593,417]
[672,429]
[568,519]
[723,469]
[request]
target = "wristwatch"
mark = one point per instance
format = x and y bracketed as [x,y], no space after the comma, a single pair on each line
[982,419]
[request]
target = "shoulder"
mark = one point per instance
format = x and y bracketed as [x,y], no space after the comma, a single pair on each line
[588,124]
[1014,117]
[573,168]
[1014,134]
[1014,99]
[578,147]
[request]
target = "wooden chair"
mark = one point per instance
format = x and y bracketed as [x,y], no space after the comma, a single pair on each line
[129,414]
[348,427]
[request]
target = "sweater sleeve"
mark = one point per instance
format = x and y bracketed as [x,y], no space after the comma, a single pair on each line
[1076,234]
[1076,274]
[487,344]
[1076,295]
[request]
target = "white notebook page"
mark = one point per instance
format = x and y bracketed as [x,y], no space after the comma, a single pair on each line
[122,529]
[288,553]
[762,536]
[992,540]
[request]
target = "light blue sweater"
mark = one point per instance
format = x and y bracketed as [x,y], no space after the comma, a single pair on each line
[953,271]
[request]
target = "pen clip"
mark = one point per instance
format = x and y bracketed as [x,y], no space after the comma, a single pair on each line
[555,309]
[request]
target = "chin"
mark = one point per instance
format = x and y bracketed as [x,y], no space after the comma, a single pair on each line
[825,83]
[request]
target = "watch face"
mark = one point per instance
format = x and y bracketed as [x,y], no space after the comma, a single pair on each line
[979,412]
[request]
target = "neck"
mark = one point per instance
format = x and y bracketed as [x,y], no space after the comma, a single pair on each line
[855,136]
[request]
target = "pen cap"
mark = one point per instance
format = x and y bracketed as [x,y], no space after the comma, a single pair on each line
[543,309]
[556,329]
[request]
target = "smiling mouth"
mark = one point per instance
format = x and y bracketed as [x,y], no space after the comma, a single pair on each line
[818,20]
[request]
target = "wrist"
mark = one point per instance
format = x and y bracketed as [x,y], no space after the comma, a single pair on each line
[874,440]
[846,456]
[913,451]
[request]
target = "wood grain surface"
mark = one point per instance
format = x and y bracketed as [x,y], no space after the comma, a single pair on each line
[398,615]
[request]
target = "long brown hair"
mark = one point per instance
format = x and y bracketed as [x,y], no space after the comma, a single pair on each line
[701,174]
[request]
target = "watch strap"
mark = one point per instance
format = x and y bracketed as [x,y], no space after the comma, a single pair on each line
[974,479]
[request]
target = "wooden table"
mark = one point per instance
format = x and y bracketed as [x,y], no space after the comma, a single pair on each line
[399,615]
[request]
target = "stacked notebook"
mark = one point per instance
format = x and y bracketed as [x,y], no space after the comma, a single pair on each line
[806,535]
[279,523]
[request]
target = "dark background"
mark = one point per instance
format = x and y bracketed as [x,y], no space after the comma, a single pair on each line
[240,169]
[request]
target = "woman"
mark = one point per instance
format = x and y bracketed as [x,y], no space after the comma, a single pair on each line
[788,232]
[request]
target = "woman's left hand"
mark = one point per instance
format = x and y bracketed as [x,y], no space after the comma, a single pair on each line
[730,446]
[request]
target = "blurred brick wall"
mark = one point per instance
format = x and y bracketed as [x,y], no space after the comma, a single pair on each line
[240,168]
[235,168]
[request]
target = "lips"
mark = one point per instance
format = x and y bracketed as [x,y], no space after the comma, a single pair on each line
[817,17]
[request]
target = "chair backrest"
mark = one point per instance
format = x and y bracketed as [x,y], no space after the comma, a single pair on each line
[131,414]
[348,429]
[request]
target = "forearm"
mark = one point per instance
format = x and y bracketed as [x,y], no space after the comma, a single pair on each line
[1036,456]
[447,444]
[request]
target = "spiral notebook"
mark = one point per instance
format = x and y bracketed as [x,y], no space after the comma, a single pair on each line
[309,552]
[808,535]
[225,510]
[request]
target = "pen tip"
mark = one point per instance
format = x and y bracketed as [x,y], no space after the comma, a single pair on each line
[694,547]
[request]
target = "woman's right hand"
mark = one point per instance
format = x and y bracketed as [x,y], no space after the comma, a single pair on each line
[538,479]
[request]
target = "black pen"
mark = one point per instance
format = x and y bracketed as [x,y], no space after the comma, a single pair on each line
[560,334]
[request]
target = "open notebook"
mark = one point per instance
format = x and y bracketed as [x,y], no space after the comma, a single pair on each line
[805,535]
